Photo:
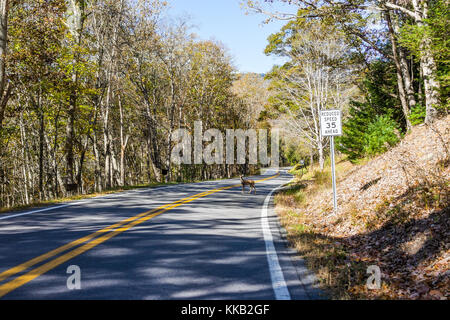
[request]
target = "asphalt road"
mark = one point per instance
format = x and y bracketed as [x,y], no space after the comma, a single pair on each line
[192,241]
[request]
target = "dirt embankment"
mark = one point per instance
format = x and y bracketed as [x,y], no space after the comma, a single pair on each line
[393,213]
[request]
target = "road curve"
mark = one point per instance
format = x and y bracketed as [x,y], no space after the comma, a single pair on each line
[191,241]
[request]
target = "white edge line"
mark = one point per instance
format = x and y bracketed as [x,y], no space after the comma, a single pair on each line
[276,274]
[113,195]
[35,211]
[84,201]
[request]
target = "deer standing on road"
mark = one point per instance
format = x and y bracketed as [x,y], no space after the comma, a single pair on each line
[250,183]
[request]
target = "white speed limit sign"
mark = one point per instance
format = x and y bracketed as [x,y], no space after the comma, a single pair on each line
[330,123]
[331,126]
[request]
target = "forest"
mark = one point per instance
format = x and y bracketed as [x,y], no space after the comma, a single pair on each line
[91,92]
[383,63]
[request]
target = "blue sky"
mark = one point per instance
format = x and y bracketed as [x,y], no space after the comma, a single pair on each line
[245,36]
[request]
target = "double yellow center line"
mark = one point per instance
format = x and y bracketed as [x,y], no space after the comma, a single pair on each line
[90,241]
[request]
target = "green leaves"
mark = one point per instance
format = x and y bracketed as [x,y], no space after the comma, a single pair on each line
[354,128]
[381,134]
[417,115]
[435,28]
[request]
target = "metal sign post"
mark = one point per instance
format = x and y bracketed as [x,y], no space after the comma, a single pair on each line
[331,126]
[333,173]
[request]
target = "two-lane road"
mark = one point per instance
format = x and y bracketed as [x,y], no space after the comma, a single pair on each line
[192,241]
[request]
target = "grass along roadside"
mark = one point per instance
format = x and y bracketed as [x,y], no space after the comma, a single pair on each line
[82,197]
[40,204]
[324,255]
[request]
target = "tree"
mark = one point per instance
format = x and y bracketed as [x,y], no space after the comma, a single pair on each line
[381,134]
[99,88]
[420,13]
[437,24]
[315,78]
[36,33]
[354,18]
[76,18]
[254,91]
[5,85]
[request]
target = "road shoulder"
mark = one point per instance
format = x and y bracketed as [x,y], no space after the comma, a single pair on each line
[302,282]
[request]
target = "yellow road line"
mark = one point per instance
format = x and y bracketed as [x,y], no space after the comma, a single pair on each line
[121,227]
[10,272]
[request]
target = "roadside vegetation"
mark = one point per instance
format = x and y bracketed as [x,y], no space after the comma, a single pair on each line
[92,91]
[393,213]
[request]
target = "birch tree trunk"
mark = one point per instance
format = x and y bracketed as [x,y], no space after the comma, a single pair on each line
[41,152]
[25,159]
[75,23]
[401,88]
[123,145]
[427,61]
[104,107]
[98,184]
[406,74]
[321,155]
[5,87]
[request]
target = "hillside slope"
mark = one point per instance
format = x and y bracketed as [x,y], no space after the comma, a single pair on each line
[393,213]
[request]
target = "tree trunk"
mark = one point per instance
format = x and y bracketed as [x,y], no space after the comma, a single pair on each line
[97,171]
[406,75]
[321,156]
[76,18]
[25,159]
[421,95]
[401,88]
[123,145]
[80,166]
[427,63]
[431,85]
[58,179]
[70,138]
[408,80]
[41,155]
[5,88]
[152,141]
[105,107]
